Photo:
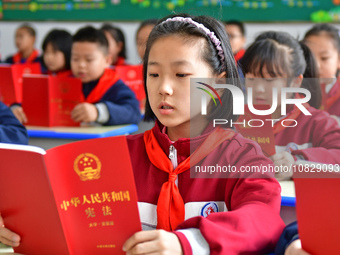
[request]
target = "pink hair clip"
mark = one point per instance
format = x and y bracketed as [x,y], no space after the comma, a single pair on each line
[209,33]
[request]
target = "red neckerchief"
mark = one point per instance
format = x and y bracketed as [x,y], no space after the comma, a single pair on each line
[65,73]
[120,62]
[108,79]
[17,57]
[239,55]
[170,205]
[293,115]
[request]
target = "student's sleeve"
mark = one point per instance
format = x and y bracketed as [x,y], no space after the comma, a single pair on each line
[289,234]
[122,105]
[326,140]
[252,224]
[11,130]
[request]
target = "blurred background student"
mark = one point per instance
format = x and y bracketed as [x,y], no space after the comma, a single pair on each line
[142,35]
[56,58]
[236,33]
[324,42]
[55,61]
[24,41]
[108,101]
[116,39]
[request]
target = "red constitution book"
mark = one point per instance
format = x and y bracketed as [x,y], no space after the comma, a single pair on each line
[133,78]
[258,128]
[11,81]
[77,198]
[49,100]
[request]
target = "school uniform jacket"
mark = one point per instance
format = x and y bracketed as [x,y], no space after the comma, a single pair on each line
[248,220]
[11,130]
[316,137]
[334,109]
[121,102]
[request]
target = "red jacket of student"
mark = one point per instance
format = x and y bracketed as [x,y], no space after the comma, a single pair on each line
[248,221]
[316,137]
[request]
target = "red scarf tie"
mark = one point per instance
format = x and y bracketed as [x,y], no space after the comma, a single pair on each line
[170,205]
[239,55]
[17,57]
[108,79]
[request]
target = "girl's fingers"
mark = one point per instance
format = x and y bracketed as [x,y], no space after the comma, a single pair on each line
[139,237]
[145,248]
[8,237]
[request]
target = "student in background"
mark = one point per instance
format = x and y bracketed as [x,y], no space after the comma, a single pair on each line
[24,41]
[11,130]
[108,100]
[277,59]
[324,41]
[142,35]
[116,40]
[55,60]
[243,217]
[237,36]
[57,53]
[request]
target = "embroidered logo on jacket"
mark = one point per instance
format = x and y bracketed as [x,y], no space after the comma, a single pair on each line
[209,208]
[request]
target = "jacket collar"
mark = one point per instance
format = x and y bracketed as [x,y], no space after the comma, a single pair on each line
[184,146]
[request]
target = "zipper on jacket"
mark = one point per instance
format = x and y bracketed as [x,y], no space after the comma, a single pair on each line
[173,156]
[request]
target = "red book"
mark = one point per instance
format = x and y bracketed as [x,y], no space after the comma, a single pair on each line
[11,81]
[49,100]
[77,198]
[317,207]
[258,129]
[133,78]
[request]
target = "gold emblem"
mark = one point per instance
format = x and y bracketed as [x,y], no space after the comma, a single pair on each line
[87,166]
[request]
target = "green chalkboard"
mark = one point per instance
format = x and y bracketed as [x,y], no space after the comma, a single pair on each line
[136,10]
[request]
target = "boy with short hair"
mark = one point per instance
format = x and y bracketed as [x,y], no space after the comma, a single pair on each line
[108,100]
[24,41]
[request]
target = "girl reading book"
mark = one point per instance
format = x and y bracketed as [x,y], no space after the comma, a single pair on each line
[230,213]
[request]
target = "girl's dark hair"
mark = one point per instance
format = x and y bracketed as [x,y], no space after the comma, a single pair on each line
[118,35]
[311,77]
[209,55]
[279,52]
[328,29]
[60,40]
[148,22]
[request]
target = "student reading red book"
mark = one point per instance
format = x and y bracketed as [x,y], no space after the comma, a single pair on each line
[233,214]
[276,60]
[108,100]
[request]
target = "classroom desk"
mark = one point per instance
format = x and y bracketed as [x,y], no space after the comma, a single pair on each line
[288,213]
[47,138]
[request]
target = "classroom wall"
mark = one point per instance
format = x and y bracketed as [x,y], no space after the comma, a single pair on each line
[7,30]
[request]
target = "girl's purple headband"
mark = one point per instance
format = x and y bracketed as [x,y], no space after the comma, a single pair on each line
[209,33]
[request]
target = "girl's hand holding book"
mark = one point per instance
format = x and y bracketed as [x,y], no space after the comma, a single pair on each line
[8,237]
[153,242]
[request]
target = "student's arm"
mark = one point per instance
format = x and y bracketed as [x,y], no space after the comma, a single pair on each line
[11,130]
[253,223]
[326,140]
[120,105]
